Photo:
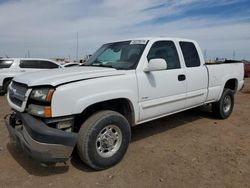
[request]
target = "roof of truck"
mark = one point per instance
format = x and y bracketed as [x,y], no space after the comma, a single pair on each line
[154,38]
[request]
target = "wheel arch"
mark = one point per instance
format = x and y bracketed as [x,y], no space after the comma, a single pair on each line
[5,80]
[230,83]
[123,106]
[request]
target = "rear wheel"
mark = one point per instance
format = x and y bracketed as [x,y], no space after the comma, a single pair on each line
[103,139]
[224,107]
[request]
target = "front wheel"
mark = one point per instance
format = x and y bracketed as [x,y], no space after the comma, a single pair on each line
[5,86]
[103,139]
[224,107]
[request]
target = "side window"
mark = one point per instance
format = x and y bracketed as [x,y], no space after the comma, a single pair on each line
[167,51]
[47,65]
[29,64]
[190,54]
[5,63]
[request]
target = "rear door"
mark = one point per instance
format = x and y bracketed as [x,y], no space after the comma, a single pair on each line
[196,74]
[162,92]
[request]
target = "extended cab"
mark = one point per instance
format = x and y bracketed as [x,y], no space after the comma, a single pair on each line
[11,67]
[125,83]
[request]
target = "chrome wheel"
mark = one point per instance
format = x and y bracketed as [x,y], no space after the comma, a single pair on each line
[109,141]
[227,104]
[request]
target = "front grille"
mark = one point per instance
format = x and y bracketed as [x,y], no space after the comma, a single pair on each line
[17,93]
[16,101]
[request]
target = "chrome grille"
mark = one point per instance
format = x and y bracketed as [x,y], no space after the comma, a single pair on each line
[17,93]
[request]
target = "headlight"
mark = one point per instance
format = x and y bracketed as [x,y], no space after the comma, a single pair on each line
[42,94]
[41,111]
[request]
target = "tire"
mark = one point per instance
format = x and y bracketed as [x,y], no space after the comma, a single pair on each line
[224,107]
[98,144]
[2,92]
[5,86]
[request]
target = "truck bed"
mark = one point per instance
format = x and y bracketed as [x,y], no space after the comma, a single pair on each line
[219,73]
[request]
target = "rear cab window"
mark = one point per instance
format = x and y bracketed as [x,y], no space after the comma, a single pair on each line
[5,64]
[190,54]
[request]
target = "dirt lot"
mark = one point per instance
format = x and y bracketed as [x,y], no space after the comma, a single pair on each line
[190,149]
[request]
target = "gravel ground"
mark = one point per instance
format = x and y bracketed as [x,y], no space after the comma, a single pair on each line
[189,149]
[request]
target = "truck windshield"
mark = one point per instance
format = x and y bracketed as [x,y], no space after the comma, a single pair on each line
[119,55]
[5,63]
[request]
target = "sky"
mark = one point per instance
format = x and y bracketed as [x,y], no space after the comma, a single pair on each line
[48,29]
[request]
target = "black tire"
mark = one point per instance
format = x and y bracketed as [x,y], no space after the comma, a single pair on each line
[87,143]
[5,85]
[223,109]
[1,93]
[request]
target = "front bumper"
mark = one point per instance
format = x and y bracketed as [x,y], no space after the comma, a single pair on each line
[43,143]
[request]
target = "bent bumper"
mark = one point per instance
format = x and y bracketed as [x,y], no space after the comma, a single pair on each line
[41,142]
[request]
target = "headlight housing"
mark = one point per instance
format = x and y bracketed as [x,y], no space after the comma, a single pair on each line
[42,94]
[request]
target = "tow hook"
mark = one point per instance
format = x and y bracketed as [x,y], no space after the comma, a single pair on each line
[13,121]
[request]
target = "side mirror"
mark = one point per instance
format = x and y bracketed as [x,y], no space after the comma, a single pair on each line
[156,65]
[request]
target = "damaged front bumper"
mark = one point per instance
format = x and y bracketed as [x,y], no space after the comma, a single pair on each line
[43,143]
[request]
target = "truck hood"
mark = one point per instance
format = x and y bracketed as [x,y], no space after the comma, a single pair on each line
[57,77]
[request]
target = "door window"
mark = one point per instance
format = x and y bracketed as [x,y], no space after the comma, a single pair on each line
[29,64]
[165,50]
[190,54]
[37,64]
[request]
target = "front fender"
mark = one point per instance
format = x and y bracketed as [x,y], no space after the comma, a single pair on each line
[74,98]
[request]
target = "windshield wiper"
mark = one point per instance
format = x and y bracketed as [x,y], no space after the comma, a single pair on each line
[103,65]
[99,65]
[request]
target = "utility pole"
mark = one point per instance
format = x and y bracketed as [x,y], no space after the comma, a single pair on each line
[77,46]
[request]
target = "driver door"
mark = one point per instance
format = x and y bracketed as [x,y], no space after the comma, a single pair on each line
[162,92]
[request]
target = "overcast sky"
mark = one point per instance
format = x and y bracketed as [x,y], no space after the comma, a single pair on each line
[48,28]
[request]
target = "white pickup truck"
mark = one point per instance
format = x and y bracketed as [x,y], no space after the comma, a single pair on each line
[125,83]
[11,67]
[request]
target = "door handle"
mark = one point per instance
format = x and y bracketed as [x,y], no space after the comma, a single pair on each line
[181,77]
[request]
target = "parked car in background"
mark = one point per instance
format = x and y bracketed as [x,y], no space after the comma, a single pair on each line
[11,67]
[71,65]
[247,69]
